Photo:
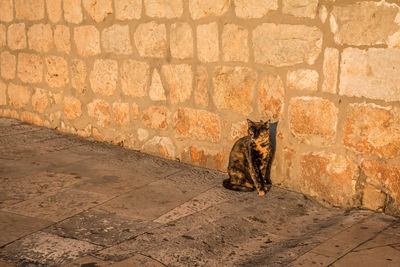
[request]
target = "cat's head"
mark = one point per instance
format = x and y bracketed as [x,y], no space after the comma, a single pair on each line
[258,131]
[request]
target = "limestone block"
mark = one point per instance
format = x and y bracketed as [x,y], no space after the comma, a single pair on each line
[98,10]
[19,96]
[303,79]
[157,92]
[3,93]
[207,42]
[205,157]
[40,37]
[3,33]
[271,95]
[373,198]
[87,40]
[72,107]
[30,68]
[29,9]
[204,8]
[115,39]
[57,71]
[233,88]
[100,110]
[300,8]
[31,118]
[54,11]
[73,11]
[160,146]
[179,79]
[151,40]
[121,114]
[40,100]
[104,76]
[156,117]
[181,40]
[8,64]
[16,36]
[247,9]
[238,130]
[331,70]
[235,45]
[78,75]
[164,9]
[62,39]
[6,10]
[134,77]
[201,97]
[128,9]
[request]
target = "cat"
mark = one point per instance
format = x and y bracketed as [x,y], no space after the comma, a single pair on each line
[249,158]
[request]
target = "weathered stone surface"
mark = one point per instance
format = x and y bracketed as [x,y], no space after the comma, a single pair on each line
[134,77]
[181,40]
[238,130]
[73,11]
[323,14]
[197,124]
[143,134]
[3,33]
[233,88]
[373,130]
[364,23]
[87,40]
[115,39]
[78,75]
[100,110]
[16,36]
[3,93]
[300,8]
[208,158]
[286,45]
[157,92]
[271,95]
[313,120]
[135,111]
[204,8]
[373,198]
[235,43]
[164,9]
[121,114]
[331,70]
[40,100]
[160,146]
[128,9]
[30,68]
[8,65]
[19,96]
[373,73]
[72,107]
[303,79]
[179,79]
[156,117]
[329,177]
[54,11]
[57,71]
[62,39]
[247,9]
[151,40]
[98,10]
[29,9]
[31,118]
[201,87]
[103,78]
[6,11]
[40,37]
[385,176]
[207,42]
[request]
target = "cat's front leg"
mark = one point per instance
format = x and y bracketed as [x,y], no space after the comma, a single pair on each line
[254,175]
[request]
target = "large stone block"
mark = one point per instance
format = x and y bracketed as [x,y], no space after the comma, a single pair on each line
[57,71]
[62,39]
[197,124]
[156,117]
[157,91]
[98,10]
[31,118]
[160,146]
[235,45]
[204,8]
[115,39]
[303,79]
[78,75]
[313,120]
[8,65]
[73,11]
[40,100]
[373,130]
[134,77]
[238,130]
[104,76]
[286,45]
[164,9]
[271,95]
[204,157]
[72,107]
[331,70]
[16,36]
[54,11]
[247,9]
[128,9]
[300,8]
[19,96]
[87,40]
[6,10]
[207,42]
[385,176]
[201,87]
[3,93]
[373,198]
[179,79]
[233,89]
[365,23]
[181,40]
[151,40]
[29,9]
[121,114]
[3,33]
[330,178]
[40,37]
[372,73]
[100,110]
[30,68]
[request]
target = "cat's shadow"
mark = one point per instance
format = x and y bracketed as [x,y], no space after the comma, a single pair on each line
[272,136]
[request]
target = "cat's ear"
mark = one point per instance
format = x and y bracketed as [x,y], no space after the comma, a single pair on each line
[250,123]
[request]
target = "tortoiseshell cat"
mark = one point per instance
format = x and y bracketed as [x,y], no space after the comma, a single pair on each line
[249,159]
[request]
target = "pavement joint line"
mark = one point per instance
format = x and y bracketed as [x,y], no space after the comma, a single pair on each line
[148,256]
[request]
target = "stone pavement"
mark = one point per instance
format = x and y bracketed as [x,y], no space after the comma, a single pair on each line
[65,201]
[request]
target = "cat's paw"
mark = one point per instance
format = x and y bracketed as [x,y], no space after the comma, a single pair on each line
[261,192]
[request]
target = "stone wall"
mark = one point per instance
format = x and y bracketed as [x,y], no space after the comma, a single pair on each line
[178,79]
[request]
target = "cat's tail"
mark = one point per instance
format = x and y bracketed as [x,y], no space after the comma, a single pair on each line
[227,184]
